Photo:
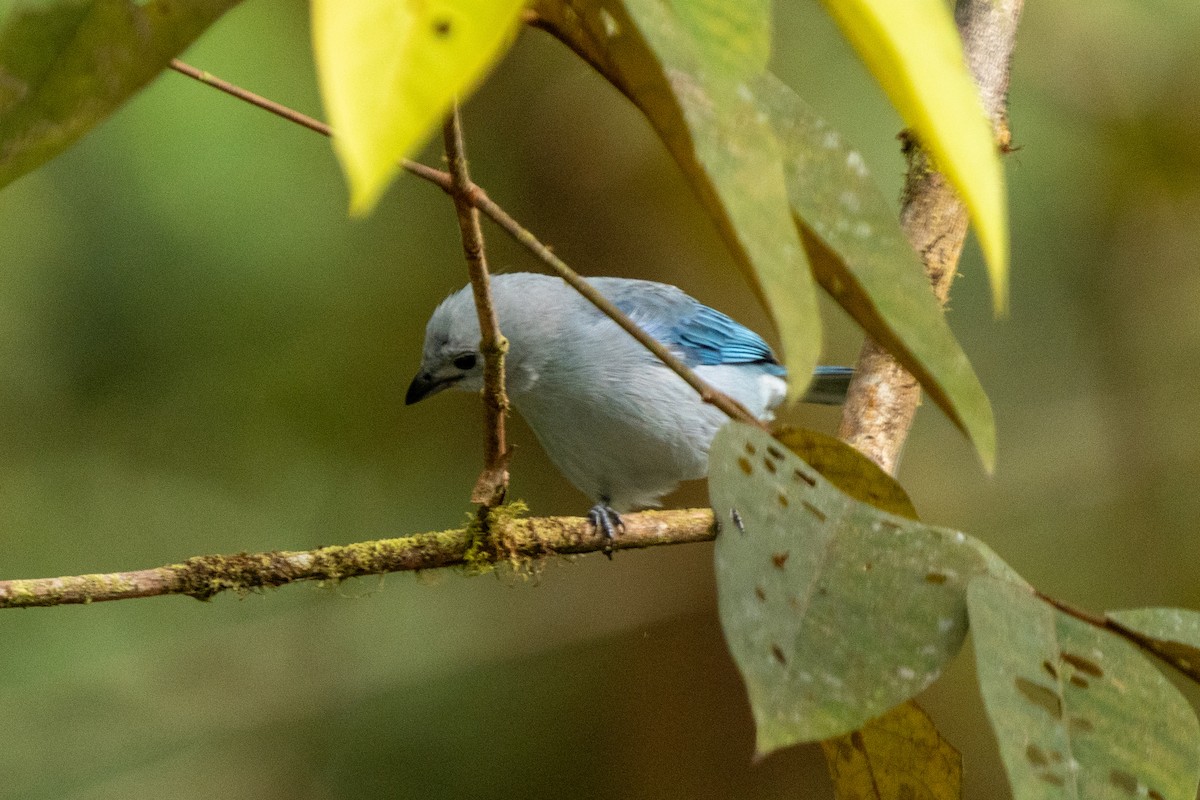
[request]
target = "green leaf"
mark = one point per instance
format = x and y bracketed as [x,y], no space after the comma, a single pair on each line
[1078,711]
[1172,633]
[690,68]
[900,756]
[862,259]
[834,610]
[389,70]
[65,66]
[913,50]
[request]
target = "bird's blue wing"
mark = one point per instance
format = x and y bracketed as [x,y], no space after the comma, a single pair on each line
[709,337]
[701,335]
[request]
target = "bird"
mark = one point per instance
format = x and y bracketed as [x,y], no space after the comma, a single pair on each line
[617,423]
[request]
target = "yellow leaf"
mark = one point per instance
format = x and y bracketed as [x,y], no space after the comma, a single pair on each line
[390,69]
[848,470]
[913,50]
[899,755]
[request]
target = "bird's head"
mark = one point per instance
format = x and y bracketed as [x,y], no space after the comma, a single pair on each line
[451,355]
[531,309]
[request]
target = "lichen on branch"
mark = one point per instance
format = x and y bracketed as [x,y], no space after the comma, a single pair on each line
[507,537]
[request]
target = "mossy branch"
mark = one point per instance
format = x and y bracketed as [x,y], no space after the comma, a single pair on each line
[509,538]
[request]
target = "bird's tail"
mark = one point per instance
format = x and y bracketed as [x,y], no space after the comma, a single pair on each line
[829,385]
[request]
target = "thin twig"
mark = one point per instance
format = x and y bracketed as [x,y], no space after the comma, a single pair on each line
[1081,614]
[507,539]
[435,176]
[479,198]
[1180,658]
[492,484]
[883,396]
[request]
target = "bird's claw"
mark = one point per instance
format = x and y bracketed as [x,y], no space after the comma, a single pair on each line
[607,521]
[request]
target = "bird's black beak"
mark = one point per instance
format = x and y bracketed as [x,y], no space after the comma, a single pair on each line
[424,385]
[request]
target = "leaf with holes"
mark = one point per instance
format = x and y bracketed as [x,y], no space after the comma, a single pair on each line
[65,66]
[834,610]
[1078,711]
[690,68]
[1172,633]
[863,260]
[899,755]
[913,50]
[389,71]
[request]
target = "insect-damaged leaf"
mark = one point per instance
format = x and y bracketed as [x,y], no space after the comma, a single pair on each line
[1078,711]
[65,66]
[863,260]
[1172,633]
[913,50]
[834,611]
[690,67]
[899,755]
[389,71]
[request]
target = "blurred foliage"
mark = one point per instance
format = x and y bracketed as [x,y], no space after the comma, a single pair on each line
[69,65]
[199,353]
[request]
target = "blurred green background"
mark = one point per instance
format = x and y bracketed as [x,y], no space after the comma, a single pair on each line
[200,353]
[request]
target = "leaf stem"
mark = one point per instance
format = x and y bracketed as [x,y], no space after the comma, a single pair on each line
[1155,647]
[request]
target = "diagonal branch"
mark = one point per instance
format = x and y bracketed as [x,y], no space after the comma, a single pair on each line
[479,198]
[492,485]
[503,539]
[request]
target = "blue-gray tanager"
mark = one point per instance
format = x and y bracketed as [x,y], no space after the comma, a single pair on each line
[615,420]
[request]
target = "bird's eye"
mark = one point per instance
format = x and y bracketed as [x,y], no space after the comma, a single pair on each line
[464,362]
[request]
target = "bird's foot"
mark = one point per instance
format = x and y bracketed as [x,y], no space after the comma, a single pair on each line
[607,521]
